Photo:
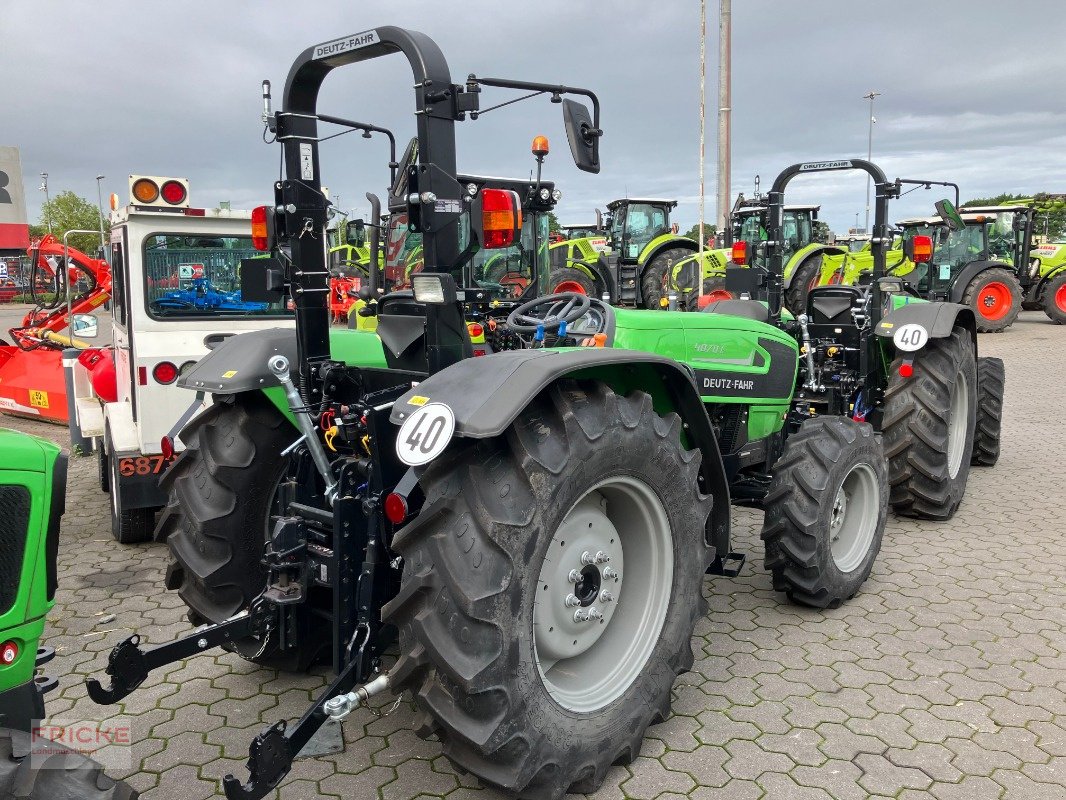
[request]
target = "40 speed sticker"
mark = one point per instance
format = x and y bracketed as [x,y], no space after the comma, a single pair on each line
[910,337]
[425,434]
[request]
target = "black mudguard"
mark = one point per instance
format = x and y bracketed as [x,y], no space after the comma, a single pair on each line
[487,394]
[239,363]
[971,271]
[940,319]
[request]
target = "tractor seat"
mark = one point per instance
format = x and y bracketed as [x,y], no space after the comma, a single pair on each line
[831,305]
[750,309]
[402,330]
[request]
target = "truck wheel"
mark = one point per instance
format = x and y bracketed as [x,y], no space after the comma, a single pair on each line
[825,511]
[804,278]
[1055,299]
[928,427]
[551,585]
[64,774]
[102,467]
[654,283]
[996,298]
[990,380]
[128,525]
[220,496]
[568,279]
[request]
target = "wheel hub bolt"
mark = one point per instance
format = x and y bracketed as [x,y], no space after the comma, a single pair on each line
[602,557]
[610,574]
[574,576]
[572,601]
[581,615]
[606,597]
[594,614]
[587,558]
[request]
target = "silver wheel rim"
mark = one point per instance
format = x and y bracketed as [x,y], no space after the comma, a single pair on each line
[593,636]
[959,409]
[853,517]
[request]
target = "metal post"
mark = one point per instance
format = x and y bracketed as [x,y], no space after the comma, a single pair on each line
[725,95]
[703,139]
[47,202]
[870,150]
[100,208]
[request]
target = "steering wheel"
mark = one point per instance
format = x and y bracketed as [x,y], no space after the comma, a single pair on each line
[558,308]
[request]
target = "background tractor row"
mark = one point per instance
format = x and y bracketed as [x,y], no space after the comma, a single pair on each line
[531,527]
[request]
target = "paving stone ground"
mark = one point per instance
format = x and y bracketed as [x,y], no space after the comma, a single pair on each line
[944,678]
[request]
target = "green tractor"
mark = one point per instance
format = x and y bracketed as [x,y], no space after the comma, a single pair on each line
[577,244]
[33,475]
[1048,292]
[802,254]
[634,271]
[532,526]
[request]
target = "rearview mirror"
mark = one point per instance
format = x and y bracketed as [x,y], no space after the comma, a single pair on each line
[948,213]
[85,326]
[599,220]
[583,137]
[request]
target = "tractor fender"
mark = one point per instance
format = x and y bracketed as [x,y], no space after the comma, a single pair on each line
[507,381]
[971,271]
[667,241]
[940,319]
[805,255]
[239,363]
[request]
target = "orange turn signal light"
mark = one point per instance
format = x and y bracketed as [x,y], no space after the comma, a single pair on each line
[145,191]
[922,249]
[260,229]
[501,217]
[540,146]
[739,254]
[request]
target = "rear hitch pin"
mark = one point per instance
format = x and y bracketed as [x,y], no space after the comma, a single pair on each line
[339,707]
[279,365]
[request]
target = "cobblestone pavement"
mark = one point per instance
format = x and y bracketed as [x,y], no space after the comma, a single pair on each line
[945,677]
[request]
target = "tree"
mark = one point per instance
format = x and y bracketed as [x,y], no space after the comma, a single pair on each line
[821,231]
[1053,220]
[67,212]
[709,231]
[553,222]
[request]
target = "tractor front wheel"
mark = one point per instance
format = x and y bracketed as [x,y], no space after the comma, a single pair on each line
[928,427]
[996,298]
[655,283]
[1055,299]
[551,585]
[991,377]
[825,511]
[570,279]
[804,278]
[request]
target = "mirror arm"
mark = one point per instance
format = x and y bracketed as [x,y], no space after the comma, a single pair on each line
[367,129]
[556,91]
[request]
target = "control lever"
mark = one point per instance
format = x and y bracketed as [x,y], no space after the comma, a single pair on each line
[279,365]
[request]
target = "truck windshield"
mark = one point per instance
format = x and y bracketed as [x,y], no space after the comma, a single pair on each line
[200,277]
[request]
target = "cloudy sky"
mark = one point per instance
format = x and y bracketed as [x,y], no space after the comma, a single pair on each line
[972,92]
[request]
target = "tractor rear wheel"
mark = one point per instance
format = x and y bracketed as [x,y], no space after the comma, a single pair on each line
[62,773]
[655,283]
[551,585]
[1055,299]
[570,279]
[990,380]
[804,278]
[713,289]
[928,427]
[825,511]
[996,298]
[221,493]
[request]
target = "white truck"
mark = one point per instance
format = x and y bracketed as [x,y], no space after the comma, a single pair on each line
[176,294]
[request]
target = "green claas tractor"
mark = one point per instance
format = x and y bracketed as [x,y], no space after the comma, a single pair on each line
[1048,292]
[531,527]
[576,246]
[635,270]
[802,254]
[33,475]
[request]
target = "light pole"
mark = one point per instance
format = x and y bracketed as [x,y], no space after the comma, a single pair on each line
[47,201]
[100,208]
[870,150]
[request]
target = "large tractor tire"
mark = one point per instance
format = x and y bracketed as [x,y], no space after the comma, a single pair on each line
[996,298]
[804,278]
[655,282]
[713,290]
[221,493]
[570,279]
[64,774]
[825,511]
[991,377]
[928,427]
[589,501]
[1054,299]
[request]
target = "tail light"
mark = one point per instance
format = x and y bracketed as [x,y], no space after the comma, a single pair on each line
[166,447]
[260,229]
[739,255]
[165,372]
[922,249]
[501,217]
[906,369]
[173,192]
[9,651]
[395,508]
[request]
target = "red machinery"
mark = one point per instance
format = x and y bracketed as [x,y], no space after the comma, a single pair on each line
[31,369]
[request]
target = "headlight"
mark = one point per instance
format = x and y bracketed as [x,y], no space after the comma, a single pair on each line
[471,189]
[544,193]
[557,195]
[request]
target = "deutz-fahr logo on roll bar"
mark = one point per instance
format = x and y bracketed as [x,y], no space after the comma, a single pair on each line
[353,42]
[813,165]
